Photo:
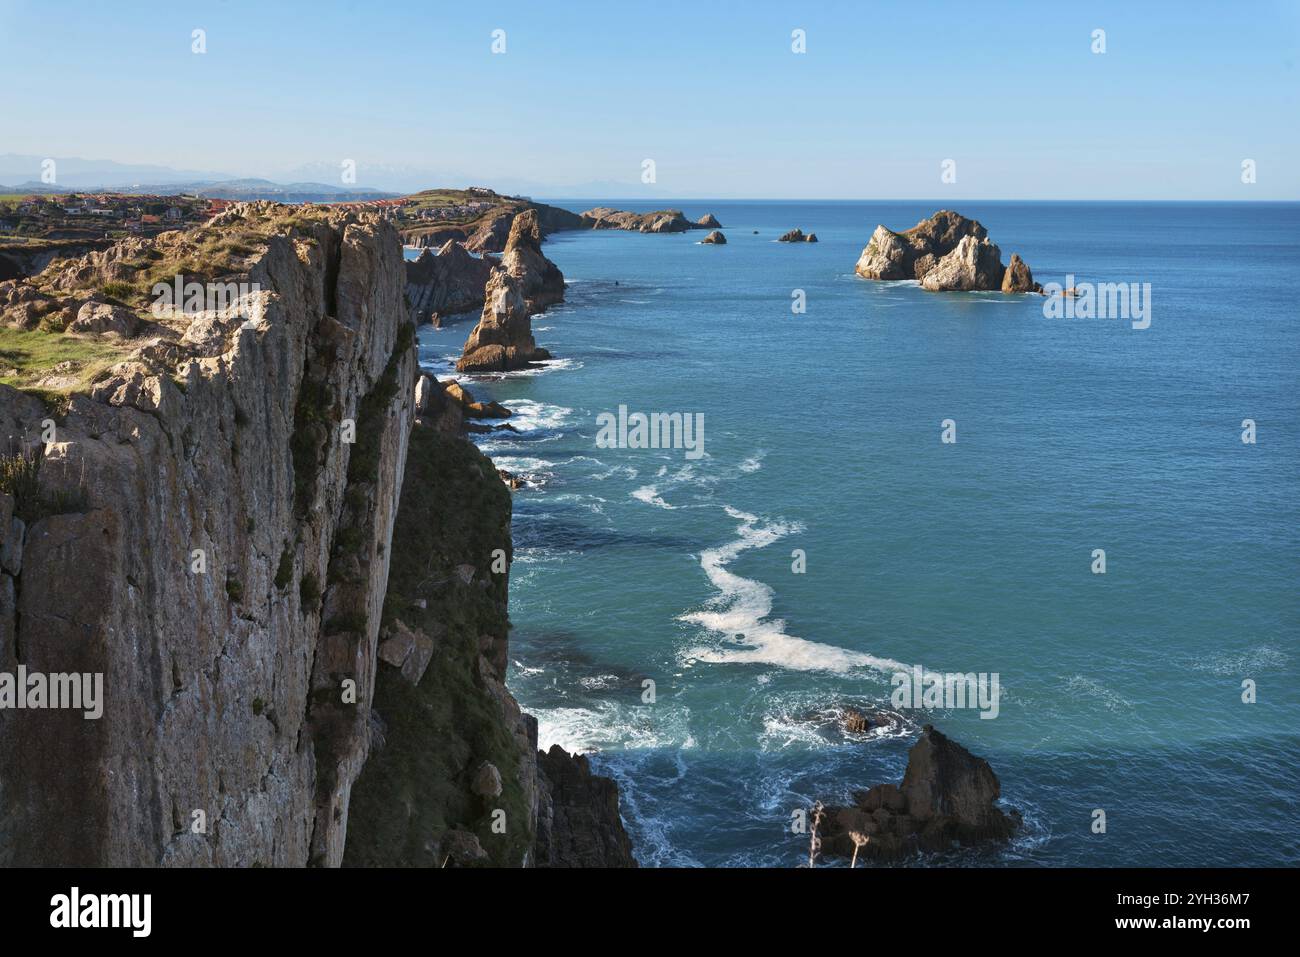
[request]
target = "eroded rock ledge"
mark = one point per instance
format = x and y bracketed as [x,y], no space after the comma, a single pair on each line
[946,252]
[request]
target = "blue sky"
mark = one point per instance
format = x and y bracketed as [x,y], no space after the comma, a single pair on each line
[710,91]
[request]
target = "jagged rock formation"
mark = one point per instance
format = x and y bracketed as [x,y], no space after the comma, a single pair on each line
[708,221]
[797,236]
[946,252]
[19,260]
[493,233]
[715,238]
[202,534]
[659,221]
[526,282]
[947,797]
[1018,278]
[503,338]
[972,264]
[578,820]
[540,280]
[447,283]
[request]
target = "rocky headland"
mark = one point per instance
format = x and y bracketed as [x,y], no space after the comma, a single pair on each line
[270,537]
[948,797]
[946,252]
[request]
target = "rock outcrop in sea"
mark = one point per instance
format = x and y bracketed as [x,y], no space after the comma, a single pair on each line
[796,235]
[946,252]
[947,797]
[708,221]
[659,221]
[715,238]
[270,538]
[526,282]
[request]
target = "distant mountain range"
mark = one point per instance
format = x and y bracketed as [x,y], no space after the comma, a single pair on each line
[74,175]
[306,183]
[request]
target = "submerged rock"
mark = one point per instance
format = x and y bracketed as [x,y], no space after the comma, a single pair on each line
[948,796]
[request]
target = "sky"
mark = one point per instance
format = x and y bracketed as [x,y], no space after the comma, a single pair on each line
[712,92]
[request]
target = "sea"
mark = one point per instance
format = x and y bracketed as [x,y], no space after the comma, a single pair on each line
[892,478]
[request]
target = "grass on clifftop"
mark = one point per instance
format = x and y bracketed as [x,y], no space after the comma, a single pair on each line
[28,355]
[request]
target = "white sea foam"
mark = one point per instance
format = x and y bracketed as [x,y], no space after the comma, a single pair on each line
[529,415]
[546,365]
[1086,687]
[608,724]
[650,495]
[739,613]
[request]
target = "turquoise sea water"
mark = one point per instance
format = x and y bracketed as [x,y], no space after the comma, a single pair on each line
[1120,692]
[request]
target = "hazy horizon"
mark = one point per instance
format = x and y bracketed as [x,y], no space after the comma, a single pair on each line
[1013,104]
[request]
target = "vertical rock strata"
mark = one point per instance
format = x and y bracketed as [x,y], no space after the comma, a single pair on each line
[219,553]
[223,524]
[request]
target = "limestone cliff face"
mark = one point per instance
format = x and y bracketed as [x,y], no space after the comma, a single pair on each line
[274,543]
[206,536]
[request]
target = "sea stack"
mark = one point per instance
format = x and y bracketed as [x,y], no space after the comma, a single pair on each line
[708,221]
[503,339]
[526,282]
[946,252]
[715,238]
[540,280]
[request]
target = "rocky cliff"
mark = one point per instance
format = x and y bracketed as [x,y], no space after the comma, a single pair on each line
[455,778]
[201,533]
[449,282]
[202,506]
